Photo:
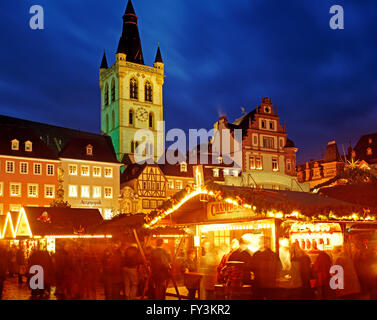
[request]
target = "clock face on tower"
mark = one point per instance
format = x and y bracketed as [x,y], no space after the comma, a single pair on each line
[142,114]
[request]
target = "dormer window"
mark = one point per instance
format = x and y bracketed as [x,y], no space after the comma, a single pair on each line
[370,140]
[15,144]
[183,167]
[215,173]
[28,146]
[89,150]
[369,151]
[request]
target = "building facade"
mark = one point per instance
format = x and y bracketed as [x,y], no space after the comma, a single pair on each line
[268,156]
[366,150]
[91,175]
[131,93]
[28,170]
[316,172]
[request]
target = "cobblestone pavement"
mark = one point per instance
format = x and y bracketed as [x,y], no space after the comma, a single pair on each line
[12,291]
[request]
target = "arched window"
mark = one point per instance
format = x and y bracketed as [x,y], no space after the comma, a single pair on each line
[106,95]
[148,91]
[132,147]
[151,120]
[113,119]
[131,117]
[113,90]
[133,89]
[107,123]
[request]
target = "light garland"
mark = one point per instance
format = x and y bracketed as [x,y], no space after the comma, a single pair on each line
[270,214]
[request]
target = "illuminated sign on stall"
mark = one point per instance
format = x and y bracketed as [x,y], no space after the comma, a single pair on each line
[225,210]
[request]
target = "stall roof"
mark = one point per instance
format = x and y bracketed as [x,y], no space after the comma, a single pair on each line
[307,205]
[61,221]
[364,194]
[119,224]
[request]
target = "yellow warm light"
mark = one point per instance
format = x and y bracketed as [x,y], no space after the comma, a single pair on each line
[21,215]
[75,236]
[8,219]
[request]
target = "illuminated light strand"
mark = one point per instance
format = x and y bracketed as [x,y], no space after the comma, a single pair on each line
[75,236]
[270,214]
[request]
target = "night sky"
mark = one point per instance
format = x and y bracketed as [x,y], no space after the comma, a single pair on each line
[220,55]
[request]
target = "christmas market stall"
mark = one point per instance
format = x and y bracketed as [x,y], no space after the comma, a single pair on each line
[44,226]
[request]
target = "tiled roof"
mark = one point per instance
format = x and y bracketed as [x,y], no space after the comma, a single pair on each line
[59,138]
[39,148]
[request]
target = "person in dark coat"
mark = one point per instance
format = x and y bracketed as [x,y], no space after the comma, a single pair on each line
[243,254]
[321,269]
[160,265]
[266,266]
[191,265]
[132,260]
[3,268]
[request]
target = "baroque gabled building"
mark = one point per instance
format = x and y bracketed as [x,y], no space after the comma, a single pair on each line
[268,156]
[131,92]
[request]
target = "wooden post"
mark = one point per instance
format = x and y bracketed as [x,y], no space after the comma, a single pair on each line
[147,268]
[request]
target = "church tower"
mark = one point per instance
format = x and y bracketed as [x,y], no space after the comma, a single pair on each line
[131,92]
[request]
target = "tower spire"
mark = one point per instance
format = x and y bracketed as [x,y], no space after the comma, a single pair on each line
[158,55]
[129,42]
[104,62]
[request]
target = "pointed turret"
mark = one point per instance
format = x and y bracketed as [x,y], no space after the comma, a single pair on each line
[158,55]
[129,42]
[104,62]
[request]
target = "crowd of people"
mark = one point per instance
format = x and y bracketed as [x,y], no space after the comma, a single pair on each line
[120,270]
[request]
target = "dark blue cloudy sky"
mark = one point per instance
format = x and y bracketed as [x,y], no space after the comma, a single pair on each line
[220,55]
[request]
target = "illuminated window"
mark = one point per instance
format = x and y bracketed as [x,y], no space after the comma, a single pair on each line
[183,167]
[252,162]
[89,150]
[221,237]
[133,89]
[268,142]
[153,204]
[370,140]
[49,191]
[85,171]
[96,192]
[50,170]
[37,169]
[226,172]
[96,171]
[32,190]
[258,163]
[179,185]
[369,151]
[170,184]
[15,189]
[108,172]
[235,173]
[145,204]
[15,145]
[28,146]
[148,91]
[216,172]
[72,170]
[9,166]
[275,164]
[72,191]
[108,192]
[1,189]
[289,165]
[24,167]
[85,193]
